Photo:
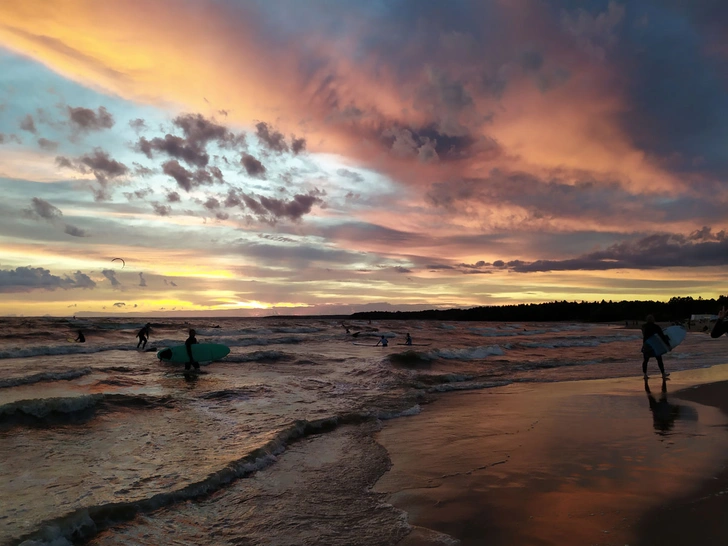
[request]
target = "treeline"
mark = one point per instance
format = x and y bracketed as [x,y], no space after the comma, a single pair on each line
[678,309]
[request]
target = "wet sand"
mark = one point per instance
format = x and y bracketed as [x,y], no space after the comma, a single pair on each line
[589,462]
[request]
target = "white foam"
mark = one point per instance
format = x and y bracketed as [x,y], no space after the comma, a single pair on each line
[468,353]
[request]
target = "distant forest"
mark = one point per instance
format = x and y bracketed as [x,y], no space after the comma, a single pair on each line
[678,309]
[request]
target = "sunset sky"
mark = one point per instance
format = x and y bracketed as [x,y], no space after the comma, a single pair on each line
[331,156]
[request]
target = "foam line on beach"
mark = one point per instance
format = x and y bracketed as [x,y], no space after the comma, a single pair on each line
[44,376]
[84,523]
[38,411]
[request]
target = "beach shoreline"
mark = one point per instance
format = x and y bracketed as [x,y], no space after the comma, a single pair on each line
[584,462]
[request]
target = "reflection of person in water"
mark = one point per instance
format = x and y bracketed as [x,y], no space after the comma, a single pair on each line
[663,413]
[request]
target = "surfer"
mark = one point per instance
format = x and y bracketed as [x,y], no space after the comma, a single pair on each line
[383,341]
[649,329]
[408,339]
[143,335]
[81,338]
[189,342]
[721,326]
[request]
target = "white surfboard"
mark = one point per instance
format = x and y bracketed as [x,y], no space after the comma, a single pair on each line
[676,335]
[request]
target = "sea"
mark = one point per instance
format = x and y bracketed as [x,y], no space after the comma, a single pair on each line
[102,443]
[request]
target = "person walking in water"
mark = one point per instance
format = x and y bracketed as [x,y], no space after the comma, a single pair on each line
[143,335]
[189,342]
[81,338]
[649,329]
[408,339]
[383,341]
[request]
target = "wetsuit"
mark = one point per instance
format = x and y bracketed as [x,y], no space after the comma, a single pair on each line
[648,330]
[189,342]
[81,338]
[720,328]
[143,336]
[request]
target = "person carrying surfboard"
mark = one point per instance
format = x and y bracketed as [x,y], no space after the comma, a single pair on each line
[649,329]
[189,342]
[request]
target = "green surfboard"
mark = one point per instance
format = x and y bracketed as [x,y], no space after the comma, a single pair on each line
[201,352]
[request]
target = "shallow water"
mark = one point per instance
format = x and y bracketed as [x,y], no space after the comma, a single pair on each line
[99,434]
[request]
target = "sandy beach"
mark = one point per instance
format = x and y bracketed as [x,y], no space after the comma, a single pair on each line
[609,462]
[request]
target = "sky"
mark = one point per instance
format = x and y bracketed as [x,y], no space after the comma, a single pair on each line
[259,157]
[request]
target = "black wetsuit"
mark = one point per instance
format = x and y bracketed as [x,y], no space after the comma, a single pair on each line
[81,338]
[720,328]
[649,329]
[189,342]
[143,336]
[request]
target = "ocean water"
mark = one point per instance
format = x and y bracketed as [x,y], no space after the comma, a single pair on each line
[101,443]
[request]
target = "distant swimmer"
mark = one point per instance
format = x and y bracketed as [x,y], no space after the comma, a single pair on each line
[383,341]
[189,342]
[81,338]
[143,335]
[649,329]
[408,339]
[721,325]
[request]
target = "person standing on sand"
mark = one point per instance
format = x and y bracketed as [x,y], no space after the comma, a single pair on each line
[649,329]
[189,342]
[143,335]
[721,325]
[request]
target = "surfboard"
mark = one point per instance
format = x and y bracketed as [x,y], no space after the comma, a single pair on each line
[367,344]
[415,344]
[676,335]
[70,339]
[201,352]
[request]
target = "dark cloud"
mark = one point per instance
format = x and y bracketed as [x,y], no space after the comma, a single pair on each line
[188,179]
[64,162]
[27,124]
[270,138]
[177,147]
[298,145]
[138,194]
[120,304]
[102,165]
[162,210]
[142,280]
[294,209]
[48,145]
[252,166]
[40,208]
[111,275]
[173,197]
[699,249]
[26,279]
[232,199]
[400,269]
[345,173]
[138,124]
[211,204]
[75,231]
[86,119]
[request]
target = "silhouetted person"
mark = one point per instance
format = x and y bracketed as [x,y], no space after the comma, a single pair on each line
[143,335]
[383,341]
[408,339]
[663,413]
[649,329]
[721,326]
[81,338]
[189,342]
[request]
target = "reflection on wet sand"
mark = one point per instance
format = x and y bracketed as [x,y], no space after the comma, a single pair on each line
[569,463]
